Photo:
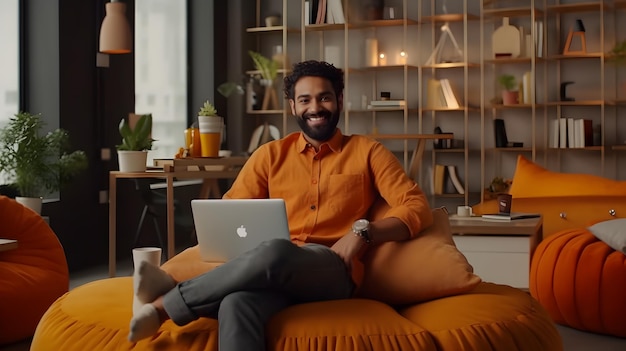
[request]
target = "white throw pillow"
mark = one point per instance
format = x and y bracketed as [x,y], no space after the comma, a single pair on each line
[612,232]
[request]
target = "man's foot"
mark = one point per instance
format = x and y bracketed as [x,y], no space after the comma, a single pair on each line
[152,282]
[144,323]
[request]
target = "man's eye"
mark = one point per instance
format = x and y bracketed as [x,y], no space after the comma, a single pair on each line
[325,98]
[304,101]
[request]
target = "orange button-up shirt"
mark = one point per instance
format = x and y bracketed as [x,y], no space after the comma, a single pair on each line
[325,191]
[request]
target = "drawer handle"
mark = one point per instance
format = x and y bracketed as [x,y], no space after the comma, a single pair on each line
[563,215]
[612,212]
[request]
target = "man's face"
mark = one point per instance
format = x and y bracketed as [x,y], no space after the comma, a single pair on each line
[316,107]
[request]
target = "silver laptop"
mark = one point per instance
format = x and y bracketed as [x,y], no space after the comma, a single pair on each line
[227,228]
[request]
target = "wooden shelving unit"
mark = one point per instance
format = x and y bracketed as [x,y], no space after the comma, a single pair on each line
[472,22]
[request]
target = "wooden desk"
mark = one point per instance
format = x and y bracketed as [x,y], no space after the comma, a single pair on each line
[499,251]
[8,244]
[418,152]
[181,169]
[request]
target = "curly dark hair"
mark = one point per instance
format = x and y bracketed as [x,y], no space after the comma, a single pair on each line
[312,68]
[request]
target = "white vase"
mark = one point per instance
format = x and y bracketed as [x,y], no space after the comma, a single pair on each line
[34,203]
[132,161]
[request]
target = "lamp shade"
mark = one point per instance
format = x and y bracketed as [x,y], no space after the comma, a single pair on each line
[115,36]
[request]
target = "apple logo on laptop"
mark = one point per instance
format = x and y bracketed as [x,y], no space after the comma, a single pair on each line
[241,231]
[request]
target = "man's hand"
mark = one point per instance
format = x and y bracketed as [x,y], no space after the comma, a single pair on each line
[348,246]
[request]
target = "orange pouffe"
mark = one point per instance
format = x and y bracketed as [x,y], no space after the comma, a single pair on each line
[581,282]
[32,276]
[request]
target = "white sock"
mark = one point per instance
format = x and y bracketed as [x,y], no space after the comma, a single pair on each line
[151,282]
[144,324]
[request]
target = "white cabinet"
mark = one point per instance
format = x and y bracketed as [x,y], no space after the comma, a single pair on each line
[498,259]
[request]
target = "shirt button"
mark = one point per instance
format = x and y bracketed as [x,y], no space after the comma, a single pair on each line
[316,158]
[314,181]
[312,207]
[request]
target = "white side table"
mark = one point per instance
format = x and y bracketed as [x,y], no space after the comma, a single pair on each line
[499,251]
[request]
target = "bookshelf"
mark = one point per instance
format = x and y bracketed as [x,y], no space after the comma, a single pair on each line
[471,71]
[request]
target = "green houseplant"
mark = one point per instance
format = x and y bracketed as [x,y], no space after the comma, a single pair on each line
[132,153]
[37,165]
[207,109]
[509,94]
[268,69]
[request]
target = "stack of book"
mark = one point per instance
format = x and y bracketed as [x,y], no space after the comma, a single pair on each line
[441,175]
[440,94]
[390,104]
[323,11]
[570,133]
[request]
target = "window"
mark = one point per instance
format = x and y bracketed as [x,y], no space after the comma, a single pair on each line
[161,71]
[9,60]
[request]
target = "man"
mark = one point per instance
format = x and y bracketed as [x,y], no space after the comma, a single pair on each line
[329,182]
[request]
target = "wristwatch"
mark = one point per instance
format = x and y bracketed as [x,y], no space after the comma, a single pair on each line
[361,229]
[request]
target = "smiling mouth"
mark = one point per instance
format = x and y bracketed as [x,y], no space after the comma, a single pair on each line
[314,121]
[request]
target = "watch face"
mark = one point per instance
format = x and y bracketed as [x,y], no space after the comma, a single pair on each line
[361,225]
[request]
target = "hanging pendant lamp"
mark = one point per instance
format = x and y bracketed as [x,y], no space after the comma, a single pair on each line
[115,35]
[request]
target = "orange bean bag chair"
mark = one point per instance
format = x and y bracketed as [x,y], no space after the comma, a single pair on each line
[32,276]
[489,317]
[581,282]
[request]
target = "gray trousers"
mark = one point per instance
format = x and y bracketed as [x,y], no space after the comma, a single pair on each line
[244,293]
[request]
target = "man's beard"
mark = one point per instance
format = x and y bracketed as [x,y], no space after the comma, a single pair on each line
[322,132]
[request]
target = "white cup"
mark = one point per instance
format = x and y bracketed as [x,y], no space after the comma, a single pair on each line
[140,254]
[150,254]
[464,211]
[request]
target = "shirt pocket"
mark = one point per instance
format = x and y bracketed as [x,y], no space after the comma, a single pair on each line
[346,194]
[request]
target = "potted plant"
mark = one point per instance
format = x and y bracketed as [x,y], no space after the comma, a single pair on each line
[268,70]
[509,94]
[211,127]
[37,165]
[132,153]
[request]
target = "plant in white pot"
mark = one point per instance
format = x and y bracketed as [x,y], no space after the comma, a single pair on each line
[211,128]
[37,164]
[132,153]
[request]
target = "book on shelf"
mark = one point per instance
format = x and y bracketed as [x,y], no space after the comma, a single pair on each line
[334,12]
[454,177]
[439,179]
[563,133]
[570,133]
[387,103]
[434,95]
[321,12]
[448,93]
[527,89]
[510,216]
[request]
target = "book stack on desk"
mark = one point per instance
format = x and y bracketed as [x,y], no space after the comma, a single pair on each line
[510,216]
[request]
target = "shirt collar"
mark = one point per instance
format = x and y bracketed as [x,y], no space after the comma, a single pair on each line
[335,143]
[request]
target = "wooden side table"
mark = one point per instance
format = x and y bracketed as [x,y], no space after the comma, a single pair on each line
[499,251]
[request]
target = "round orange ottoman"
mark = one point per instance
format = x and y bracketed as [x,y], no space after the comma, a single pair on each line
[581,282]
[32,276]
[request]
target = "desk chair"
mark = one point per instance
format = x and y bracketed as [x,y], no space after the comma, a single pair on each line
[155,207]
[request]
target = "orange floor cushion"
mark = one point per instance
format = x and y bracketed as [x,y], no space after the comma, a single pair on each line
[32,275]
[95,316]
[581,282]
